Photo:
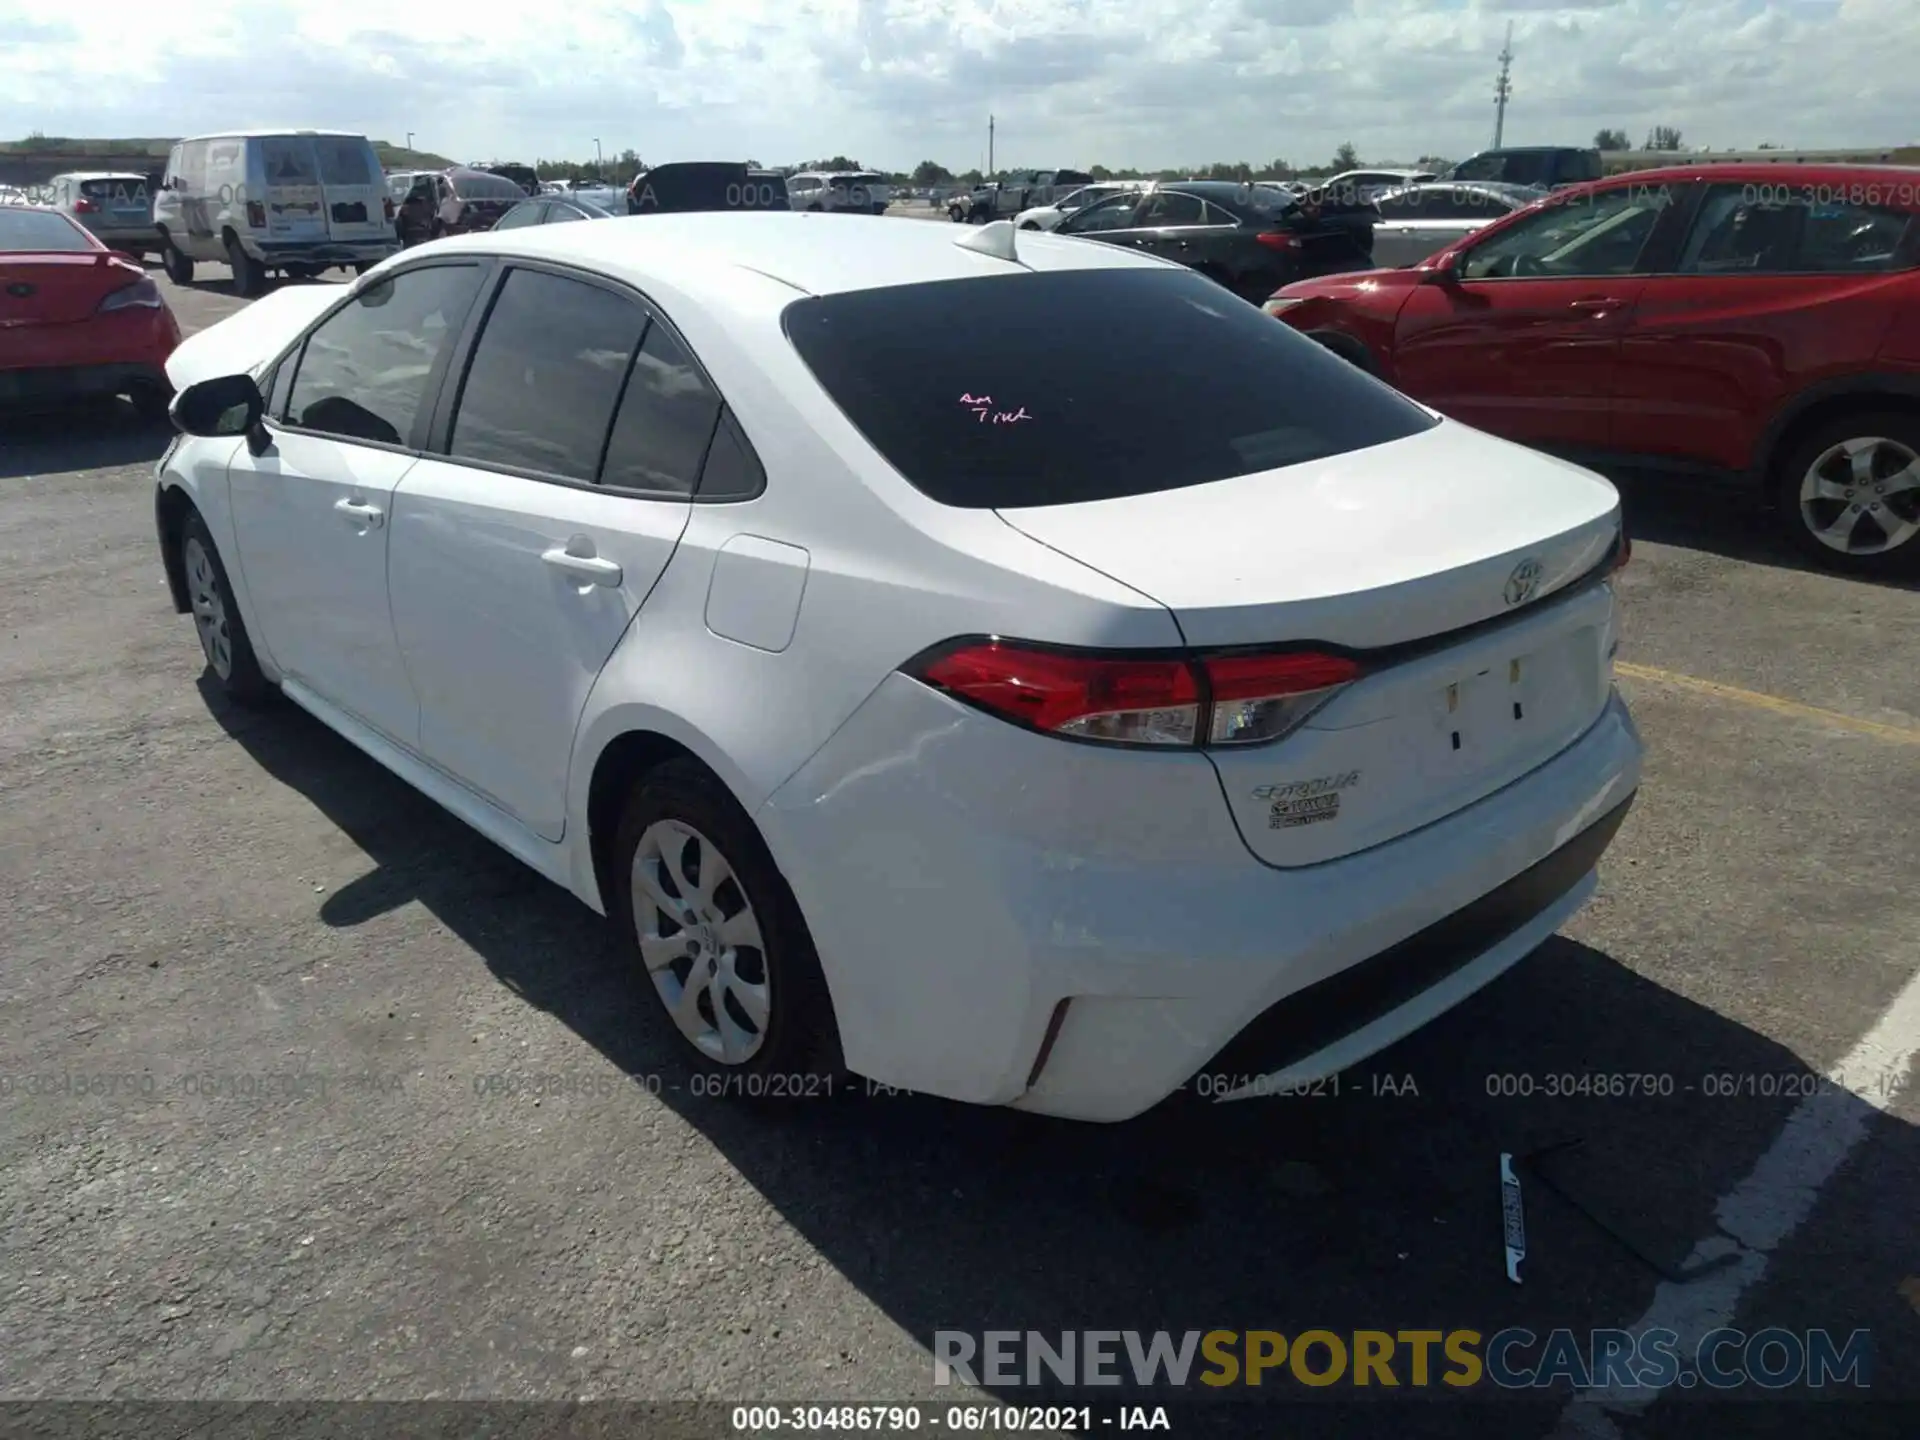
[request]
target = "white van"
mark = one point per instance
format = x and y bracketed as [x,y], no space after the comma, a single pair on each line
[293,201]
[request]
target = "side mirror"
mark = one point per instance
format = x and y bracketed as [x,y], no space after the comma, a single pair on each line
[228,405]
[1446,272]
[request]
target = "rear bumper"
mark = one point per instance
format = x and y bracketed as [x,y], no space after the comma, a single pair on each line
[963,878]
[323,252]
[53,384]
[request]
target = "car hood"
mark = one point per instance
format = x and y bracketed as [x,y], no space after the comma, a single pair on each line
[243,342]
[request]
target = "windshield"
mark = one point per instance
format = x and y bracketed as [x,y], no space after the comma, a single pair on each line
[42,230]
[1035,394]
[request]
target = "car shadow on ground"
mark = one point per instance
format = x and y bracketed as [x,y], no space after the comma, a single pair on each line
[94,435]
[1376,1207]
[1717,518]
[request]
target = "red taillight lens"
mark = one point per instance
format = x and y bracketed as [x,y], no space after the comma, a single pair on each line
[1622,550]
[1278,240]
[1128,702]
[84,206]
[389,205]
[1121,700]
[1262,697]
[256,214]
[142,294]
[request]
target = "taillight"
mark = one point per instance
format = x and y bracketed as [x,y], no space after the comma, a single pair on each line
[1236,699]
[389,205]
[84,206]
[1622,550]
[256,214]
[1278,240]
[142,294]
[1262,697]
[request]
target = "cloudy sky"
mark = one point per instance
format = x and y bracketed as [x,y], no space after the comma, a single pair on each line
[1149,83]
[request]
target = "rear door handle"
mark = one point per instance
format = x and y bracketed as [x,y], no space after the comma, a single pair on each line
[359,512]
[577,559]
[1598,306]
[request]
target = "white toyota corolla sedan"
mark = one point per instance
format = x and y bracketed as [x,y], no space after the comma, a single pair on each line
[1004,667]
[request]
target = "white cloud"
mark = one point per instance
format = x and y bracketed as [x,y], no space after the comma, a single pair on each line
[1143,82]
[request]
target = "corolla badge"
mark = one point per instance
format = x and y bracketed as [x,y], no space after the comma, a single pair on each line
[1522,583]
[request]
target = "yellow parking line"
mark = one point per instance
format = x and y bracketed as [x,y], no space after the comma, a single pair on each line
[1900,734]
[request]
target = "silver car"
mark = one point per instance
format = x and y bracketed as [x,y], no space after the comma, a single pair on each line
[114,205]
[1422,220]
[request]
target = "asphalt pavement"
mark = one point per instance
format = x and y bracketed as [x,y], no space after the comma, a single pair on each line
[313,1094]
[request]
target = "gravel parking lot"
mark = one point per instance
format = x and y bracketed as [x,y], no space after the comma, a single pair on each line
[494,1181]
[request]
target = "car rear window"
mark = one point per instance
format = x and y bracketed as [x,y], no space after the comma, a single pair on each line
[707,185]
[344,162]
[1054,388]
[486,187]
[42,230]
[116,190]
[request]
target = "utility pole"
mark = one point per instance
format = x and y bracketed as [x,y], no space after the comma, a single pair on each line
[989,174]
[1502,89]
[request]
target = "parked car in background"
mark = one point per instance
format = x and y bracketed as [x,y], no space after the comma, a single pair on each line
[466,201]
[706,185]
[552,210]
[673,559]
[525,176]
[1547,166]
[1421,219]
[1359,186]
[266,201]
[1759,323]
[76,320]
[416,220]
[114,204]
[1018,191]
[1246,237]
[1047,217]
[850,191]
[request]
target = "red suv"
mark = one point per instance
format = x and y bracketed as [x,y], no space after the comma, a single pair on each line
[1754,321]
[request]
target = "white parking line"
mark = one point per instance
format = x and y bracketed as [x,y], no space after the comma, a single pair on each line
[1758,1215]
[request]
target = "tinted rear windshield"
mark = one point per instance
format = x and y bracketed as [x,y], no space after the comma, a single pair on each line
[23,229]
[1056,388]
[116,190]
[345,162]
[486,187]
[707,185]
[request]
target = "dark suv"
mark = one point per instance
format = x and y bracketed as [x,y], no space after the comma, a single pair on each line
[1546,167]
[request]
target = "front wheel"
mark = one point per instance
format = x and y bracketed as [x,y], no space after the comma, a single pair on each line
[216,618]
[1849,493]
[703,909]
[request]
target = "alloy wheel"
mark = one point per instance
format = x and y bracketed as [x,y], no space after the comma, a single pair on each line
[700,942]
[209,610]
[1862,496]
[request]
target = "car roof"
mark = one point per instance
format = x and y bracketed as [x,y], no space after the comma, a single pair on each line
[1748,171]
[102,175]
[276,135]
[702,253]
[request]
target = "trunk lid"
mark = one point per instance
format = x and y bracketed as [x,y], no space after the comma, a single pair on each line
[1440,552]
[61,289]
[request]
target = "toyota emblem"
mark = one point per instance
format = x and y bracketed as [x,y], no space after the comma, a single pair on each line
[20,291]
[1523,582]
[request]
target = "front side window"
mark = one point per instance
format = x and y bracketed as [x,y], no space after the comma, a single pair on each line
[665,422]
[365,370]
[542,385]
[982,421]
[1590,235]
[1783,229]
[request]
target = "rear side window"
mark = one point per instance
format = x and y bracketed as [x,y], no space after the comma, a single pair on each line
[22,229]
[366,368]
[1780,229]
[665,422]
[344,162]
[1041,390]
[544,379]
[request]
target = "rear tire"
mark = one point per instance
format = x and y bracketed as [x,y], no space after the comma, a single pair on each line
[178,267]
[728,958]
[216,618]
[1855,480]
[249,275]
